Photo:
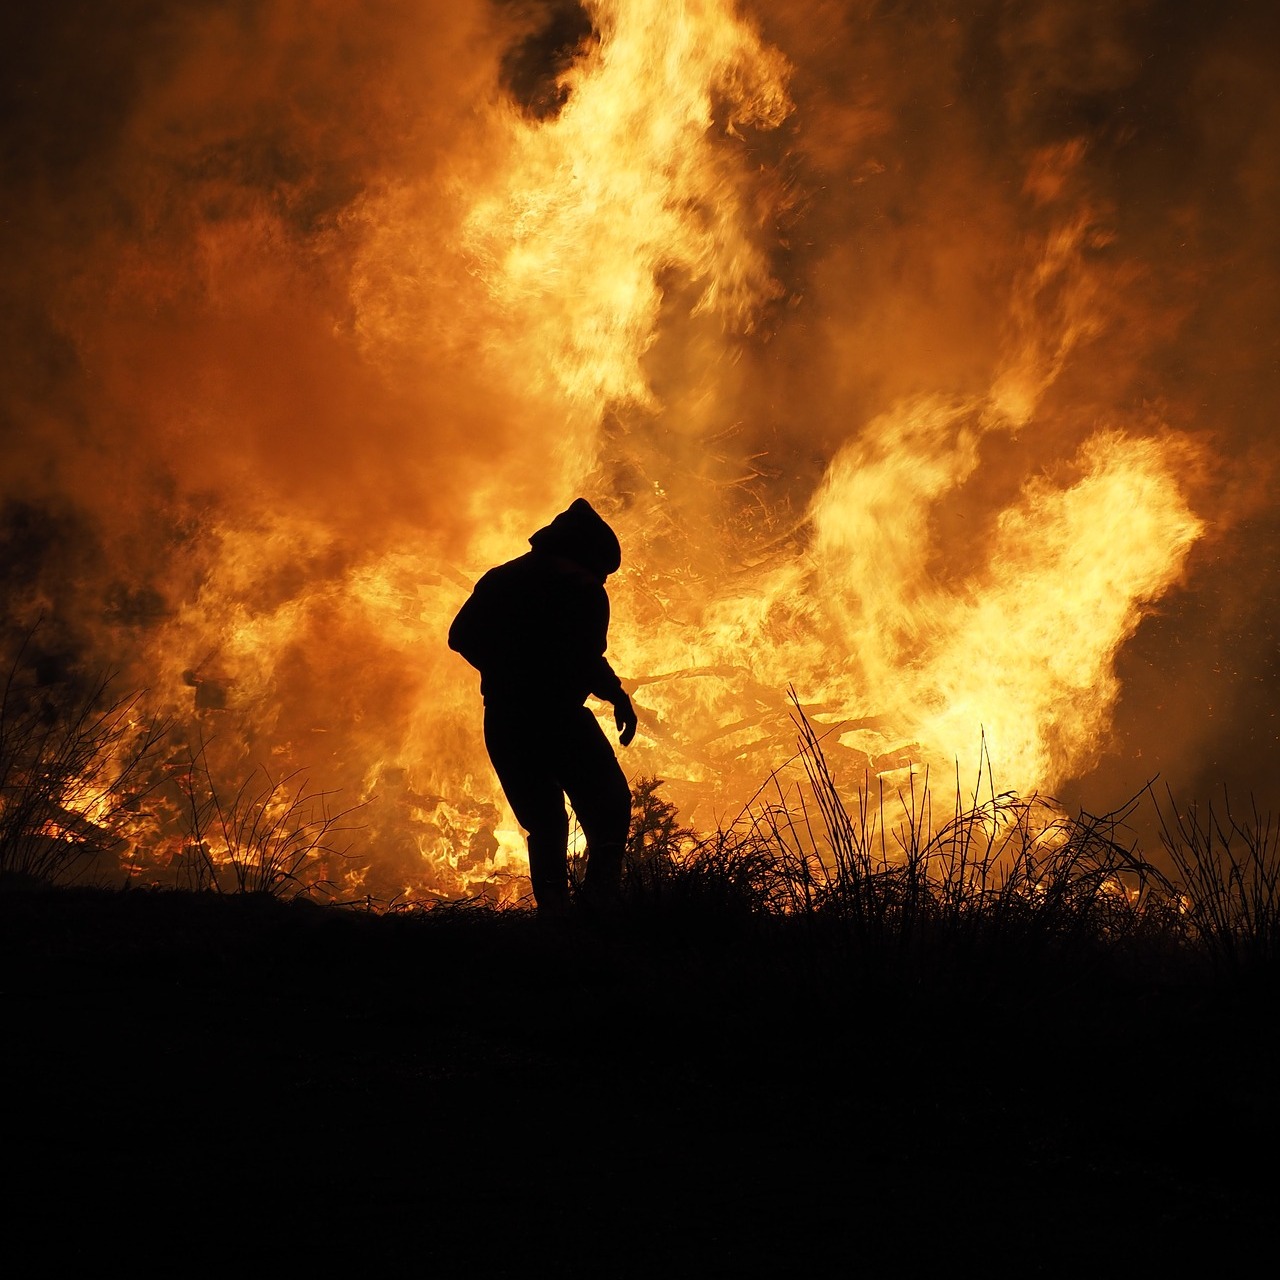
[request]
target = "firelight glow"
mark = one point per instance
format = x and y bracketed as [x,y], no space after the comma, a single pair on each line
[878,401]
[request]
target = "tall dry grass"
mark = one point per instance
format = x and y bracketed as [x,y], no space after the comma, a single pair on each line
[75,767]
[987,873]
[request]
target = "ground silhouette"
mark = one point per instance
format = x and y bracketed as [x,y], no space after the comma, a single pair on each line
[476,1092]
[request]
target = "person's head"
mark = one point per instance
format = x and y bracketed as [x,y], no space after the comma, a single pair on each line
[579,534]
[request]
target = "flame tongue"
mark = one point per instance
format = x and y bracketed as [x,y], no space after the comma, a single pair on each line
[628,182]
[1022,648]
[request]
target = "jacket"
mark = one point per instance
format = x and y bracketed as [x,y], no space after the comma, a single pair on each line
[536,628]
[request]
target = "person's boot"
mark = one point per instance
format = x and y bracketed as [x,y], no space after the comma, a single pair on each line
[552,908]
[602,883]
[549,874]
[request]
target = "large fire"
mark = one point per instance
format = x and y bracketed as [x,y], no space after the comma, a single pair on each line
[864,349]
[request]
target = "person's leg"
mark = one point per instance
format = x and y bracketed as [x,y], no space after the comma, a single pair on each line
[601,799]
[526,770]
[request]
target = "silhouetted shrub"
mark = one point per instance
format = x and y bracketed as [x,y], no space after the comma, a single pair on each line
[74,759]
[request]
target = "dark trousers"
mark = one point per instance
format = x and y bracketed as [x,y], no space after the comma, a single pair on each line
[541,755]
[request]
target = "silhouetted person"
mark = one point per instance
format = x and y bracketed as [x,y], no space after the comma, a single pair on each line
[536,629]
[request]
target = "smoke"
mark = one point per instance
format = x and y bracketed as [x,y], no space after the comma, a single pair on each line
[186,265]
[264,420]
[939,146]
[214,480]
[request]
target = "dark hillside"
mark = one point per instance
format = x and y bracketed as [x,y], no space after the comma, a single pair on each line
[468,1092]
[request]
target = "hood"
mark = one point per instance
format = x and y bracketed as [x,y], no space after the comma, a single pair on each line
[580,535]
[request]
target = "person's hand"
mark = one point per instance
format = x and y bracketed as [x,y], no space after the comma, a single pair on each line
[624,716]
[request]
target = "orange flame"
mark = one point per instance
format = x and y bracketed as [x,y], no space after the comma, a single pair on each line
[533,308]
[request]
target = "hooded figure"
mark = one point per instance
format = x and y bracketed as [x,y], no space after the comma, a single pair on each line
[536,629]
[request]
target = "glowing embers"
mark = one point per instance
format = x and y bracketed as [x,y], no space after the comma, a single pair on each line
[427,846]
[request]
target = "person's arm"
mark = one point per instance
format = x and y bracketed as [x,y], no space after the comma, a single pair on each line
[624,716]
[606,686]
